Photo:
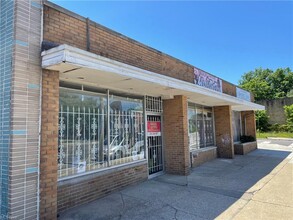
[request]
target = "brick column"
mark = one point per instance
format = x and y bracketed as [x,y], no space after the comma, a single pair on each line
[49,145]
[248,123]
[176,136]
[223,128]
[20,83]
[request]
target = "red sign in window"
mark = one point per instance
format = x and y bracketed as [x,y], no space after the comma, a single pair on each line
[154,128]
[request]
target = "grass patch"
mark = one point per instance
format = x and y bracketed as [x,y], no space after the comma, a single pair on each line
[274,134]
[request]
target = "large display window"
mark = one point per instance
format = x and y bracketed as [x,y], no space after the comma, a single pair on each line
[87,121]
[236,124]
[200,126]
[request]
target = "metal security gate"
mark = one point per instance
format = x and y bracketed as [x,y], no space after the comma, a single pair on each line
[154,141]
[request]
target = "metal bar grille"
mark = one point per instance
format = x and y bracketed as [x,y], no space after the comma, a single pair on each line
[154,104]
[80,149]
[126,137]
[97,133]
[155,154]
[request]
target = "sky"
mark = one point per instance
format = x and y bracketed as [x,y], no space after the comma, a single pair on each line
[224,38]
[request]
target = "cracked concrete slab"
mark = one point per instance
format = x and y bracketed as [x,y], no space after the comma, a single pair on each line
[255,186]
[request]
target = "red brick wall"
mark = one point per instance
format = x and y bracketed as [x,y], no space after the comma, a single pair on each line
[87,188]
[203,156]
[49,145]
[245,148]
[176,69]
[223,129]
[229,88]
[61,28]
[77,190]
[175,127]
[107,44]
[64,27]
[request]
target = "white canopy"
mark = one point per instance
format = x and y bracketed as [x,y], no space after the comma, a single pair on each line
[82,67]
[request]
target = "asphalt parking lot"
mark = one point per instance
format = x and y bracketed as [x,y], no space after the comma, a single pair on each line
[255,186]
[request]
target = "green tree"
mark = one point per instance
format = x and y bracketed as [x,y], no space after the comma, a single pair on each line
[289,115]
[266,84]
[262,120]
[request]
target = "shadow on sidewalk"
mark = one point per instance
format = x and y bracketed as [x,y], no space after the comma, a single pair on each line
[206,193]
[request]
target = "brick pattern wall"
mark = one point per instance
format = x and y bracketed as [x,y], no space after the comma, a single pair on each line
[64,27]
[202,156]
[6,45]
[87,188]
[109,45]
[224,131]
[175,127]
[245,148]
[70,193]
[248,123]
[177,69]
[61,28]
[49,145]
[228,88]
[23,195]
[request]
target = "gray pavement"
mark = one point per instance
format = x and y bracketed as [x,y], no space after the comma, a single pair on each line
[256,186]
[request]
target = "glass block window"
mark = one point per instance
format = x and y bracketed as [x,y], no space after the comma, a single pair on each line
[200,126]
[84,131]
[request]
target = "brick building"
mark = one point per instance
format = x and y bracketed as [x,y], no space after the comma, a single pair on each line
[86,111]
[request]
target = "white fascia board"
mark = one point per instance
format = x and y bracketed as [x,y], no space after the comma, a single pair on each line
[72,55]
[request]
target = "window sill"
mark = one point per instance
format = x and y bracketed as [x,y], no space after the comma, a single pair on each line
[203,149]
[100,172]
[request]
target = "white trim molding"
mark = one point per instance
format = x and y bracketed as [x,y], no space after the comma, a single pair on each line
[64,56]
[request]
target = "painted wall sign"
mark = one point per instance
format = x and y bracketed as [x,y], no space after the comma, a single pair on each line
[154,128]
[206,80]
[242,94]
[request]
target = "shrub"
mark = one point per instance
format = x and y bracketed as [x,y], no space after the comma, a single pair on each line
[246,138]
[289,115]
[279,127]
[262,121]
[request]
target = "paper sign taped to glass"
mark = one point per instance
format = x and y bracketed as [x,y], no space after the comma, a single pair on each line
[154,128]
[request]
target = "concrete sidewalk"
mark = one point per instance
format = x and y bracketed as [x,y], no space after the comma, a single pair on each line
[256,186]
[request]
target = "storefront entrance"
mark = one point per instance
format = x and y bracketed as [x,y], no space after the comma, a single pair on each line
[154,143]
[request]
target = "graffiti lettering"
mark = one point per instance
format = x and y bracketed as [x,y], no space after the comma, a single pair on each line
[206,80]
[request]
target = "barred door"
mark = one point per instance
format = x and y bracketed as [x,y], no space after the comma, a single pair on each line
[154,139]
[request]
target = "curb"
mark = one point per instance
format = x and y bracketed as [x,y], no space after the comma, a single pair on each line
[279,138]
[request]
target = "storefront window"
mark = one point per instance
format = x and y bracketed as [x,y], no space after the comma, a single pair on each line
[192,127]
[209,126]
[201,130]
[84,130]
[126,130]
[236,124]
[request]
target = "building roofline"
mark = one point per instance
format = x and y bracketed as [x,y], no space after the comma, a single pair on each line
[82,18]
